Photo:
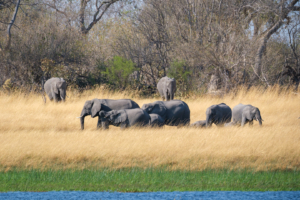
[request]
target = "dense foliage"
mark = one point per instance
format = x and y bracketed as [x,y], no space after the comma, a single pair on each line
[206,45]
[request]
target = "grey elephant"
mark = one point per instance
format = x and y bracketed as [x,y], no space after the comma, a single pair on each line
[218,114]
[243,114]
[156,120]
[199,124]
[174,113]
[56,88]
[93,107]
[166,87]
[124,118]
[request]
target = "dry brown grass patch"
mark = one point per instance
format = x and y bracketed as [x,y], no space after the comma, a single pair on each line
[34,134]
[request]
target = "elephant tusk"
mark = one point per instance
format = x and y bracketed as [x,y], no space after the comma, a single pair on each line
[79,117]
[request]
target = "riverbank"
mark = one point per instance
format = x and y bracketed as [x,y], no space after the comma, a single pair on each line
[148,180]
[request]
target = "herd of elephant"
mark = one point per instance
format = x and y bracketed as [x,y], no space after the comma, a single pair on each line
[126,113]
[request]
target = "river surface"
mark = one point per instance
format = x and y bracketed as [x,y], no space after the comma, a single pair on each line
[295,195]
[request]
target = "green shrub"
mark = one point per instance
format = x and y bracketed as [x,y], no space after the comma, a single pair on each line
[180,71]
[118,70]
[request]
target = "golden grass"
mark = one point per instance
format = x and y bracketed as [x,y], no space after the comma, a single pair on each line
[38,135]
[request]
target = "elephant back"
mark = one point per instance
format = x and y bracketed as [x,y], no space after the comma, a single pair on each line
[237,112]
[137,117]
[120,104]
[179,113]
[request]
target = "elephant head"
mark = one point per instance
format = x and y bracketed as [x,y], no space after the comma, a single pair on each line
[91,107]
[59,88]
[155,108]
[210,113]
[251,113]
[171,87]
[114,117]
[256,115]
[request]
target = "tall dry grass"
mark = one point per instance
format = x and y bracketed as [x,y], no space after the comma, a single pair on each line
[38,135]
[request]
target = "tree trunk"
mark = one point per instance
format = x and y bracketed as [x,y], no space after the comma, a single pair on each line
[262,47]
[10,25]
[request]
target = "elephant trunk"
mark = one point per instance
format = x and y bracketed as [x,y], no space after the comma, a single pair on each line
[62,95]
[208,121]
[171,95]
[171,91]
[82,116]
[82,122]
[258,117]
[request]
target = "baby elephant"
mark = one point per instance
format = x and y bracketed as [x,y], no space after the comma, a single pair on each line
[243,114]
[199,124]
[156,120]
[124,118]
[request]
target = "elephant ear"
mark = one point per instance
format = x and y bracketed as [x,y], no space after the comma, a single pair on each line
[253,111]
[120,117]
[95,109]
[62,84]
[58,85]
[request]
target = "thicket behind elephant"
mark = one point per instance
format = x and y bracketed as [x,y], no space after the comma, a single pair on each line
[124,118]
[174,113]
[243,114]
[218,114]
[94,106]
[166,87]
[56,88]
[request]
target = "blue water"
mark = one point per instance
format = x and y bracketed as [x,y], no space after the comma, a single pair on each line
[152,195]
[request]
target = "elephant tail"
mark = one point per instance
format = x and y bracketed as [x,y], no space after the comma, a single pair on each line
[186,115]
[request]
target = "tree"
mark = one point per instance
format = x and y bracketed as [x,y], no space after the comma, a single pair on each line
[90,11]
[10,25]
[276,14]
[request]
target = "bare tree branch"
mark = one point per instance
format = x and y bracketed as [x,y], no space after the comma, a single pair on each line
[96,17]
[10,25]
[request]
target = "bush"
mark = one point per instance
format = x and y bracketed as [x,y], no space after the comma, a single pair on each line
[180,71]
[118,70]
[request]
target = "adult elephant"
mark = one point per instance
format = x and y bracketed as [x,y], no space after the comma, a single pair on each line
[243,114]
[124,118]
[56,88]
[93,107]
[166,87]
[218,114]
[174,113]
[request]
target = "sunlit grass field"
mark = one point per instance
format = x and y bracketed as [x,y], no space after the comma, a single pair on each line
[42,136]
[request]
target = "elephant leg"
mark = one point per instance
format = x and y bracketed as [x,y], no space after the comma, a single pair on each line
[244,120]
[99,126]
[123,126]
[50,97]
[55,97]
[166,96]
[251,123]
[104,125]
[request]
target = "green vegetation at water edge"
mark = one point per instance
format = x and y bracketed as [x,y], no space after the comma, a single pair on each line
[147,180]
